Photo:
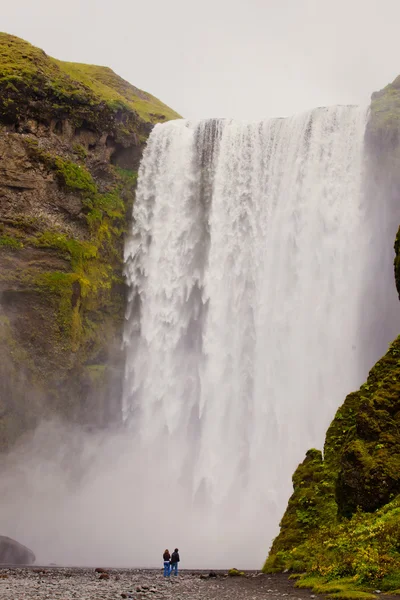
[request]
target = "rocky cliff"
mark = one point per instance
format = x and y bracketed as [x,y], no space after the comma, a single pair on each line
[341,528]
[71,137]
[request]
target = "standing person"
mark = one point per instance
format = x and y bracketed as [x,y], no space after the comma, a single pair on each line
[174,561]
[166,559]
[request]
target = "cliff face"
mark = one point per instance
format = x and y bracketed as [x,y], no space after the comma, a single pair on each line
[71,138]
[342,520]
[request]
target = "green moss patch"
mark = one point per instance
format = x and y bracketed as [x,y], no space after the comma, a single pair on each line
[10,242]
[346,588]
[73,176]
[236,573]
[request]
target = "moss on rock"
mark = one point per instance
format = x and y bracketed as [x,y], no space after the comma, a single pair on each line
[311,505]
[342,519]
[236,573]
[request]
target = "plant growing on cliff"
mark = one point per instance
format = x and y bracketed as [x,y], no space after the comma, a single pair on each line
[10,242]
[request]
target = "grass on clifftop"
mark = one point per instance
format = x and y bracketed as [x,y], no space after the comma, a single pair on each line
[385,108]
[23,66]
[117,92]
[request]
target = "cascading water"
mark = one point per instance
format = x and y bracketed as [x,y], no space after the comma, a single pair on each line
[261,292]
[246,266]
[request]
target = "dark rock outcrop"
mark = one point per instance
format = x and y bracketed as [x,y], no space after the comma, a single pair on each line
[14,553]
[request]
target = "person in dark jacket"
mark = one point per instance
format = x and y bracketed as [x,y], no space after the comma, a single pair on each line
[174,562]
[167,566]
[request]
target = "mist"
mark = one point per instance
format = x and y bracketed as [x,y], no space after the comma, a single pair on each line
[89,499]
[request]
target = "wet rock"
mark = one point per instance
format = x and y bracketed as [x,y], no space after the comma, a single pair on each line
[14,553]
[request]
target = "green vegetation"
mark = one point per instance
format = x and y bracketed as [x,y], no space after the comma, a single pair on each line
[80,151]
[385,111]
[35,85]
[117,92]
[345,588]
[76,178]
[10,242]
[96,263]
[365,548]
[235,573]
[343,517]
[77,251]
[73,176]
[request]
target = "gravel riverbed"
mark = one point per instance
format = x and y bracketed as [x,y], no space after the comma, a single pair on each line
[56,583]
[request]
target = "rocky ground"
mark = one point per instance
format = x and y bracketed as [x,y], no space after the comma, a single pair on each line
[53,583]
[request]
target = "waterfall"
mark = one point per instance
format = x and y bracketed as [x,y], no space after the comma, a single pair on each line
[246,265]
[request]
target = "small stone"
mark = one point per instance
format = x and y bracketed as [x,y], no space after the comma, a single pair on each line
[100,570]
[212,574]
[104,576]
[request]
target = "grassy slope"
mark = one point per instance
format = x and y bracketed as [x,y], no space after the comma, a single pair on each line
[107,85]
[23,66]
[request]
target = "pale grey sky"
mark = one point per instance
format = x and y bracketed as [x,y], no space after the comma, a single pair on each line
[245,59]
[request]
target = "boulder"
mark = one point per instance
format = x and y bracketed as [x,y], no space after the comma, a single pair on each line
[14,553]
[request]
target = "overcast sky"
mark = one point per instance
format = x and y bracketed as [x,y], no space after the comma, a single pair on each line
[245,59]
